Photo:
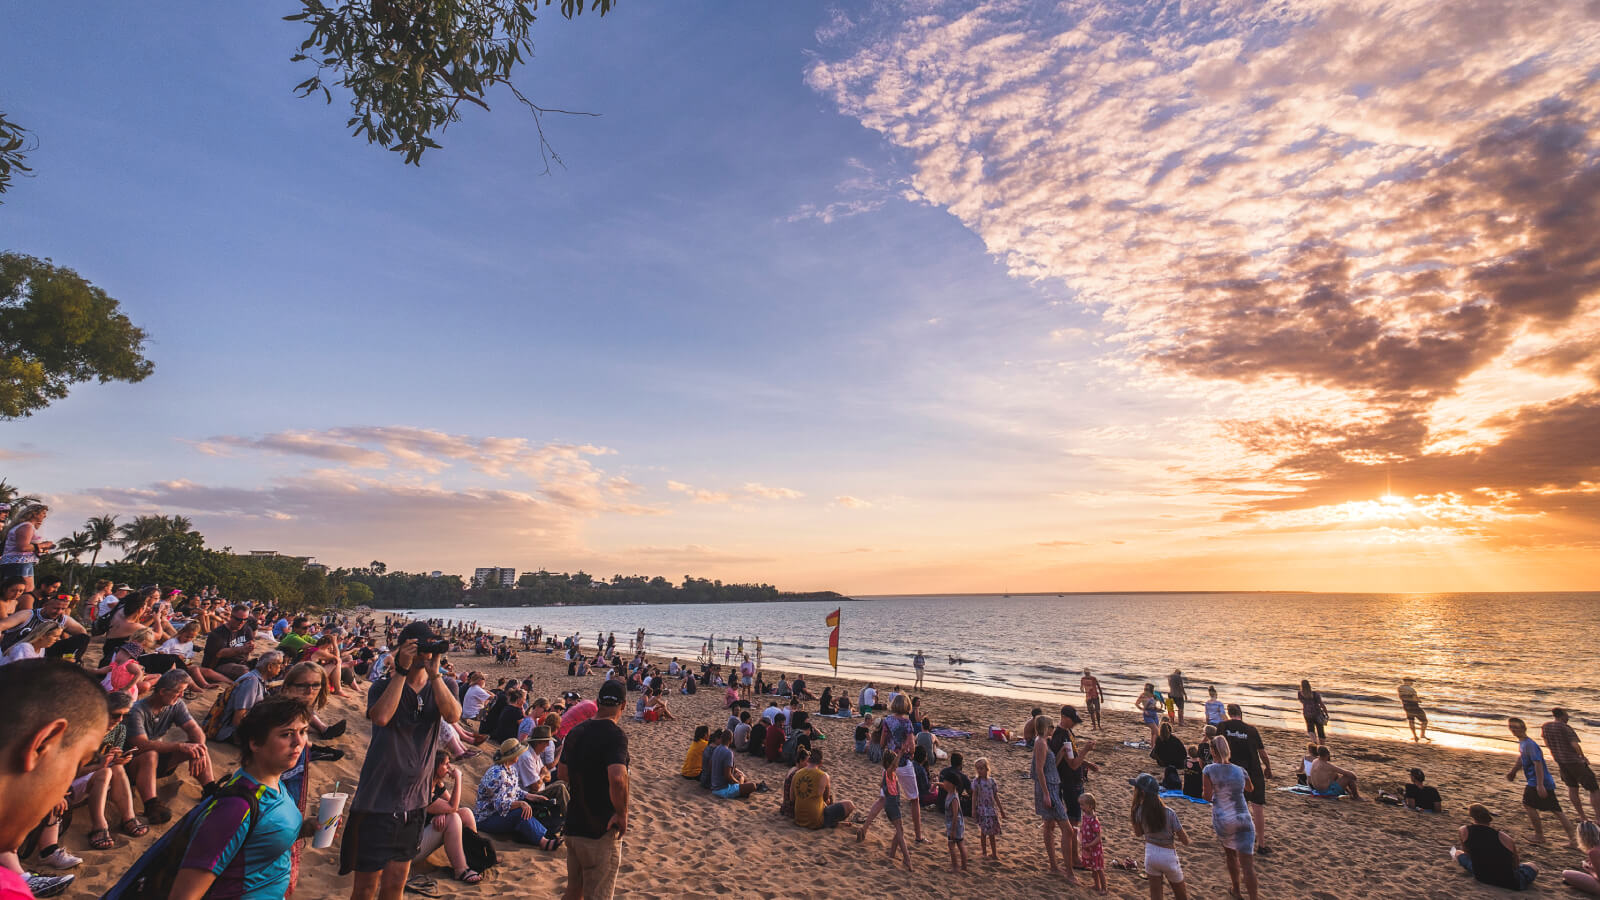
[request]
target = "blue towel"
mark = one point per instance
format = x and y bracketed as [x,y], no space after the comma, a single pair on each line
[1180,795]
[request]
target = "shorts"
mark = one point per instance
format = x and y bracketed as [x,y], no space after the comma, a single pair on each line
[1258,790]
[1177,700]
[1525,874]
[1547,803]
[1335,789]
[1414,711]
[594,862]
[167,763]
[731,792]
[20,570]
[372,840]
[891,807]
[745,680]
[1092,704]
[1579,775]
[908,782]
[1162,862]
[833,814]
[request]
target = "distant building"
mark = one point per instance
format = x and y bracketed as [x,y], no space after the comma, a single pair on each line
[436,574]
[494,576]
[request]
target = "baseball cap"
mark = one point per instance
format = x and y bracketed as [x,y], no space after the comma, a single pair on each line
[416,630]
[612,693]
[1146,783]
[1071,712]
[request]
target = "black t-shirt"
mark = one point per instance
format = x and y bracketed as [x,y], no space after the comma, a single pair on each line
[1244,747]
[862,732]
[1426,797]
[222,637]
[1070,777]
[963,783]
[591,750]
[505,723]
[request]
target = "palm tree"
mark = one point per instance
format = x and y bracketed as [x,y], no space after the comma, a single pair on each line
[139,537]
[11,495]
[101,530]
[179,525]
[71,548]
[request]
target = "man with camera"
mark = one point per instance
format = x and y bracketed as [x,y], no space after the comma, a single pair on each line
[383,831]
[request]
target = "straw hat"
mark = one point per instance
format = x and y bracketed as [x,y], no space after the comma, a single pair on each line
[508,751]
[539,733]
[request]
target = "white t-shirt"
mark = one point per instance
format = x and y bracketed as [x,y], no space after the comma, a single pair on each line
[184,649]
[770,713]
[869,697]
[530,770]
[109,601]
[472,703]
[21,650]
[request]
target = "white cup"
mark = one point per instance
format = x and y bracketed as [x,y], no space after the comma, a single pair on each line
[329,811]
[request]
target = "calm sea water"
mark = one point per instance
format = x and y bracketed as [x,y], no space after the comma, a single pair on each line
[1477,658]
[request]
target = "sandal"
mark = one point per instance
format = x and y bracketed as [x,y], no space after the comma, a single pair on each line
[135,827]
[100,839]
[550,843]
[469,876]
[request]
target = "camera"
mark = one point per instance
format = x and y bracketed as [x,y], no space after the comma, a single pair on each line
[437,645]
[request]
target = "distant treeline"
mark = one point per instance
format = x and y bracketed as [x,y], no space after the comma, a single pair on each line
[577,589]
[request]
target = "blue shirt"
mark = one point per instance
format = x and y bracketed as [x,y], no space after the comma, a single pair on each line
[280,628]
[256,869]
[1531,757]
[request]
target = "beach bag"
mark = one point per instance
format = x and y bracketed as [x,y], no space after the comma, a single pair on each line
[218,713]
[103,623]
[478,850]
[152,874]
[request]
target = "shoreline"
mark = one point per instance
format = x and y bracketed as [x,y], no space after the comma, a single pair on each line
[1265,716]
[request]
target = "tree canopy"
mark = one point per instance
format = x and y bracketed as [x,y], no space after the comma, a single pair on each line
[58,330]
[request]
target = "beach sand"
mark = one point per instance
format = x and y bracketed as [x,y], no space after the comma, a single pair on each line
[682,842]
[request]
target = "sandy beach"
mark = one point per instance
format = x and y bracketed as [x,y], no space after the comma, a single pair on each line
[682,842]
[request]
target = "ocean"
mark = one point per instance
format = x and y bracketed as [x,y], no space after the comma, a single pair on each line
[1476,658]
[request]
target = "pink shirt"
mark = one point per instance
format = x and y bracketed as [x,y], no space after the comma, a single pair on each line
[576,714]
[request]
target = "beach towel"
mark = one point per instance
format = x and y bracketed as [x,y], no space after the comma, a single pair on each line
[1019,743]
[1305,791]
[1137,745]
[1180,795]
[951,733]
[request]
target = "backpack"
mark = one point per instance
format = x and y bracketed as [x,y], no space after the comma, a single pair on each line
[103,623]
[152,875]
[217,715]
[478,850]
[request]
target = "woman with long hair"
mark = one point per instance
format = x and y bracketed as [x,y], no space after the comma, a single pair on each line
[1047,800]
[1161,830]
[1314,711]
[20,548]
[448,820]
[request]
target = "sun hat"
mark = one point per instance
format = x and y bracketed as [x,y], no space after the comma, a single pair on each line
[539,733]
[509,750]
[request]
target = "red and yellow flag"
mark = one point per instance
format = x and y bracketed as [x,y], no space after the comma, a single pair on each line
[833,641]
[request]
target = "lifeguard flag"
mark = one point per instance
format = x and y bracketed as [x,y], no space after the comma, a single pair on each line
[833,642]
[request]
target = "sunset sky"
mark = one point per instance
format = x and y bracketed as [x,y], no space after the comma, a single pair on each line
[887,297]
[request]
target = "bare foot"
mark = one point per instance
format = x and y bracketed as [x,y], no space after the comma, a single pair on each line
[1055,870]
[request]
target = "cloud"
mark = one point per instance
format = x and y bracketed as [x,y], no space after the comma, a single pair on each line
[863,191]
[407,447]
[1363,236]
[752,490]
[849,502]
[1056,544]
[693,554]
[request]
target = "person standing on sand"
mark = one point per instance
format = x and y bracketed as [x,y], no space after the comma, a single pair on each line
[1226,786]
[1175,692]
[594,764]
[388,812]
[1091,697]
[1314,711]
[1071,767]
[1247,751]
[1412,704]
[918,662]
[1149,707]
[1573,765]
[1047,801]
[1540,792]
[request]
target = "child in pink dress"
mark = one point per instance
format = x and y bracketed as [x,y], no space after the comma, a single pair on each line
[1091,849]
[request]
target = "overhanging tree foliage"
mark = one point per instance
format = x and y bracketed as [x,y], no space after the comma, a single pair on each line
[58,330]
[410,64]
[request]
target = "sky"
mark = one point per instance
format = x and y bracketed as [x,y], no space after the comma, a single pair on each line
[870,297]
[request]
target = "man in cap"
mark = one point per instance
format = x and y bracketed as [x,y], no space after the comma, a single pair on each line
[594,765]
[1071,765]
[383,831]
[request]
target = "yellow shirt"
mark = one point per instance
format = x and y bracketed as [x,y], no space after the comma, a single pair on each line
[807,788]
[691,760]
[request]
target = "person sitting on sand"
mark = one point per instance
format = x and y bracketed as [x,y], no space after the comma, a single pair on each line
[772,711]
[727,781]
[448,820]
[800,690]
[1490,855]
[783,689]
[1029,730]
[1328,779]
[863,733]
[501,808]
[1540,791]
[772,745]
[814,806]
[741,732]
[1422,796]
[1586,880]
[868,700]
[692,763]
[1169,750]
[655,707]
[825,705]
[154,758]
